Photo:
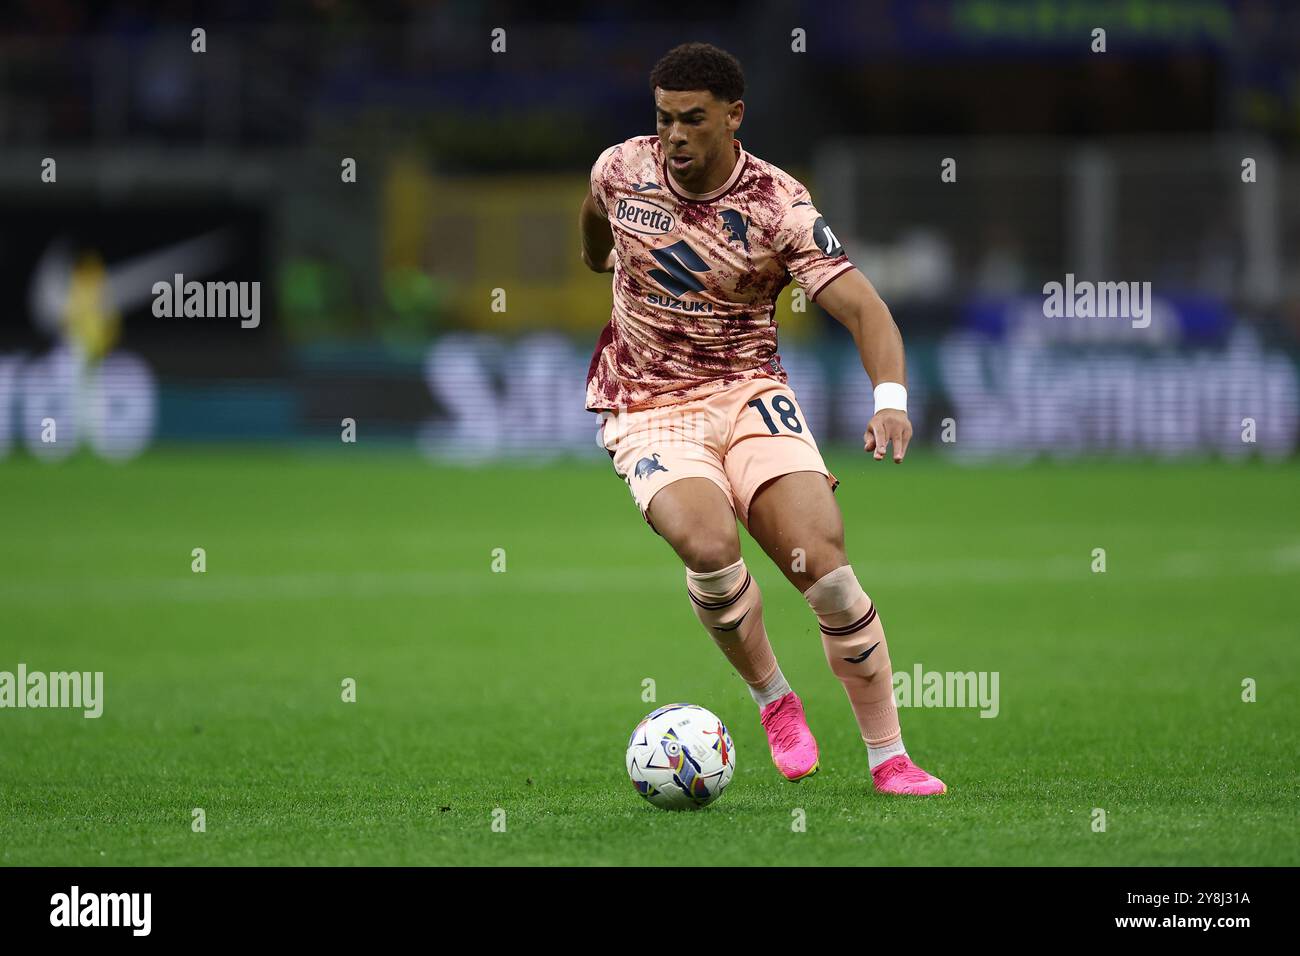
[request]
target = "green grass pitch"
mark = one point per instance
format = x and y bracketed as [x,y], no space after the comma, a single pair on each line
[479,690]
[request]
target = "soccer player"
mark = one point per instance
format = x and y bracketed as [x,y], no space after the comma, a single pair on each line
[696,413]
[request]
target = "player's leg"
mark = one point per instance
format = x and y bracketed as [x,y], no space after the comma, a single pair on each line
[796,520]
[697,520]
[783,496]
[669,460]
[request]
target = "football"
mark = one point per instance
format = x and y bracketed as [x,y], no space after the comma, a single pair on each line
[680,757]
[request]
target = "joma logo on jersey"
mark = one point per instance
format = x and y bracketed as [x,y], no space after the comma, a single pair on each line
[643,216]
[678,304]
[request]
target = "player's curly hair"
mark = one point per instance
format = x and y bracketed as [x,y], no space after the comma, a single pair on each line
[700,66]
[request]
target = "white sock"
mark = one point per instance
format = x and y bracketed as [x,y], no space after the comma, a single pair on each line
[775,689]
[878,755]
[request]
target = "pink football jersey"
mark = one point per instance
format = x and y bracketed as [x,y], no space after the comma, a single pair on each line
[696,276]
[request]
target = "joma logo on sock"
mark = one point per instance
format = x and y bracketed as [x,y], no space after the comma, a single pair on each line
[102,909]
[209,300]
[923,688]
[864,655]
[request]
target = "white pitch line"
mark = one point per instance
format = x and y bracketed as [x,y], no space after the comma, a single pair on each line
[218,587]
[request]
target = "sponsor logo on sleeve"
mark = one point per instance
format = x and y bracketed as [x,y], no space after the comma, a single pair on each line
[825,239]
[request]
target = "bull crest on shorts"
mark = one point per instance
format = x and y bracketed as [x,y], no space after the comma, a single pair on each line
[647,466]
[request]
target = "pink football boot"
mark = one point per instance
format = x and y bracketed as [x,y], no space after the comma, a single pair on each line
[900,775]
[794,750]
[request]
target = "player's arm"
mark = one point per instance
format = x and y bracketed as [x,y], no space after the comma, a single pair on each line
[597,236]
[856,305]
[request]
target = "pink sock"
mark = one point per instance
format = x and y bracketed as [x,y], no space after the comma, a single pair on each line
[854,641]
[730,607]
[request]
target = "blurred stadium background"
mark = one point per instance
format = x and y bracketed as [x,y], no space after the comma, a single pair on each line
[372,560]
[377,295]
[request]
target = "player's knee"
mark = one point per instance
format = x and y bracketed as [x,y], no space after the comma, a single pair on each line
[836,591]
[819,562]
[710,551]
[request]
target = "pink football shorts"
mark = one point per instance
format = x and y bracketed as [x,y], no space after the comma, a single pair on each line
[738,438]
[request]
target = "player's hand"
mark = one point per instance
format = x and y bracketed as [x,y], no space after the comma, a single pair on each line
[888,424]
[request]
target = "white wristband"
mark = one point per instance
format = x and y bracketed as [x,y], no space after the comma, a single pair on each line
[891,395]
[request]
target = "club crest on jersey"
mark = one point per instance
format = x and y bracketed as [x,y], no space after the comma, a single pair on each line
[648,466]
[735,226]
[643,216]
